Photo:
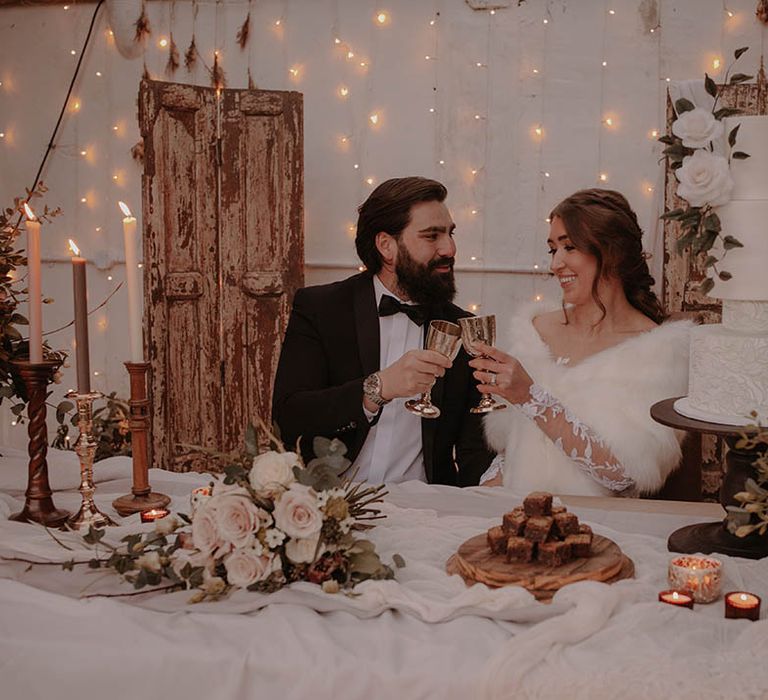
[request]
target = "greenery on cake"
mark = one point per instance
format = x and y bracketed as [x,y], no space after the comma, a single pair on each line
[704,176]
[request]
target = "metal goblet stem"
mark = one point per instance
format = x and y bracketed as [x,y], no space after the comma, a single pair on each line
[480,329]
[443,337]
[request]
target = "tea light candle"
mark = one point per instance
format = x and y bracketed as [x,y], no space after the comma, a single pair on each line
[699,576]
[198,496]
[740,605]
[679,598]
[149,516]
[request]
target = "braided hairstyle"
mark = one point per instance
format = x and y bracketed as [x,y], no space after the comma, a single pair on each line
[601,223]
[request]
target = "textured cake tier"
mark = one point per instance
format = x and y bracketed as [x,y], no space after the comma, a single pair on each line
[750,176]
[728,376]
[745,316]
[746,221]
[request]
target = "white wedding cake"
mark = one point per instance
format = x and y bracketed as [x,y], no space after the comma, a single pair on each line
[728,376]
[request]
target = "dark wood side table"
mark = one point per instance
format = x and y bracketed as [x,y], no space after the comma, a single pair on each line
[714,537]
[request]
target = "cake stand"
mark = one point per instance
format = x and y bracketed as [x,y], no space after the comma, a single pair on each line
[708,538]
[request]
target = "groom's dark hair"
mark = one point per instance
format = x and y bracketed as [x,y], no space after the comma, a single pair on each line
[388,208]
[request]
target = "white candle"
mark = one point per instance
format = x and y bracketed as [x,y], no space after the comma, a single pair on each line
[135,333]
[82,352]
[34,286]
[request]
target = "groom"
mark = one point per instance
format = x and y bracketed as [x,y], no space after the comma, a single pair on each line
[353,350]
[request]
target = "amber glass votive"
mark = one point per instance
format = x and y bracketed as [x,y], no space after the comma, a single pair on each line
[679,598]
[740,605]
[149,516]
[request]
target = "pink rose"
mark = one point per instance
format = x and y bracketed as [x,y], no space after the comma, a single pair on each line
[297,513]
[245,567]
[237,517]
[205,531]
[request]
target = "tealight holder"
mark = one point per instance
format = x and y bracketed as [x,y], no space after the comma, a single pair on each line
[149,516]
[681,599]
[85,447]
[198,496]
[741,605]
[699,576]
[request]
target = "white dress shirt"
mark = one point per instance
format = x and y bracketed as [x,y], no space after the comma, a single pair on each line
[392,451]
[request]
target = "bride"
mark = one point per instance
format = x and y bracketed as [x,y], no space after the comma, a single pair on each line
[582,378]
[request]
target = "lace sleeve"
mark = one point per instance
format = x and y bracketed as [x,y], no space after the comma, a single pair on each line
[577,441]
[494,470]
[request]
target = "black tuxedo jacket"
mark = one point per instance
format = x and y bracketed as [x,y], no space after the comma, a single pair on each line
[331,344]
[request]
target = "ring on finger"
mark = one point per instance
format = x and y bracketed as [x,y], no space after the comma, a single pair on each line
[492,380]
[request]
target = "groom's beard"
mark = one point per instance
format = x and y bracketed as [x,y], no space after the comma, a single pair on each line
[421,283]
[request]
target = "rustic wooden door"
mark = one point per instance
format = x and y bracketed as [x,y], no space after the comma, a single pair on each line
[223,254]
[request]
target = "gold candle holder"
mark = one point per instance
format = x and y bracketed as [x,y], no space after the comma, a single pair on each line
[85,447]
[141,498]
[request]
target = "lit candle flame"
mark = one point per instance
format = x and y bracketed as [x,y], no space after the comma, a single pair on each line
[73,247]
[30,214]
[124,207]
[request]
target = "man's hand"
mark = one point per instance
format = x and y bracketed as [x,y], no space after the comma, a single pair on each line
[414,373]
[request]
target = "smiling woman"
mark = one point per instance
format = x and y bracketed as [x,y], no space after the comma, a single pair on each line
[585,376]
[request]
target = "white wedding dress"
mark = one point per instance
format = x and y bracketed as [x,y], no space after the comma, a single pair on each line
[611,445]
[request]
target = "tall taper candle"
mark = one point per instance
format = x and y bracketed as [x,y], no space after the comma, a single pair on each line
[134,286]
[81,321]
[34,286]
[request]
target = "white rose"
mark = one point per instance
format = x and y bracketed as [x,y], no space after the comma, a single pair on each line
[302,551]
[273,470]
[205,531]
[237,517]
[297,513]
[165,526]
[704,179]
[150,561]
[245,567]
[697,128]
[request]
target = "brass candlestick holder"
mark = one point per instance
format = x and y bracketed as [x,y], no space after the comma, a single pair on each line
[141,497]
[38,506]
[85,447]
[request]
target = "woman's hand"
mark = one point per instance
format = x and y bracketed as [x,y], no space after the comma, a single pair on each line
[493,481]
[501,374]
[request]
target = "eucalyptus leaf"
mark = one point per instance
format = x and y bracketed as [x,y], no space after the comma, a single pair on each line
[726,112]
[740,78]
[740,155]
[724,275]
[398,561]
[738,53]
[711,261]
[706,286]
[729,242]
[712,223]
[710,85]
[682,105]
[732,135]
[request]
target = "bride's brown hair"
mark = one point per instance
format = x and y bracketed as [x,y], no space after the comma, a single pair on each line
[601,223]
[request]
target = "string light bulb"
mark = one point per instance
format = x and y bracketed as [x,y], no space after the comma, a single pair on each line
[716,64]
[654,133]
[603,177]
[382,18]
[369,180]
[162,43]
[343,91]
[374,118]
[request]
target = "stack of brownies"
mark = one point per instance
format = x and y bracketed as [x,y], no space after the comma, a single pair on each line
[539,531]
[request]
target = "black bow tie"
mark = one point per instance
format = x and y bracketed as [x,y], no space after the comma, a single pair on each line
[418,313]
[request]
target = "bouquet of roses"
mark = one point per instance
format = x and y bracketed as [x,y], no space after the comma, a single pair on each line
[270,521]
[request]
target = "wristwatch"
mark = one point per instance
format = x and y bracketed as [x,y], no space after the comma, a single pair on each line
[372,389]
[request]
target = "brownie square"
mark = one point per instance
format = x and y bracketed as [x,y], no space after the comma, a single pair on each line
[558,509]
[497,540]
[581,544]
[514,522]
[585,529]
[520,549]
[566,524]
[537,528]
[554,553]
[538,503]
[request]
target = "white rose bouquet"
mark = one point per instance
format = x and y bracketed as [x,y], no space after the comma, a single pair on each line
[269,521]
[704,176]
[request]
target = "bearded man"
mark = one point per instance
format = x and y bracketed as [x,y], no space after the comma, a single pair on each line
[353,350]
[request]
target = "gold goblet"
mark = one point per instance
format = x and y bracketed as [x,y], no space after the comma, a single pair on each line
[443,337]
[480,329]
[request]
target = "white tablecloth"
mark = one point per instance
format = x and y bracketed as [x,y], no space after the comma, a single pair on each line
[424,635]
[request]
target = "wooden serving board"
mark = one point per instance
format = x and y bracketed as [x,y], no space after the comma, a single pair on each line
[475,563]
